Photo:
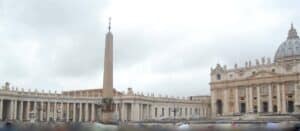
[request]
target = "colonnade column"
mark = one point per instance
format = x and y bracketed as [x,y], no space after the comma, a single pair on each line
[11,115]
[34,110]
[149,112]
[135,111]
[283,99]
[68,112]
[86,112]
[236,101]
[74,112]
[251,99]
[93,112]
[55,111]
[21,111]
[146,112]
[48,111]
[80,112]
[61,110]
[278,98]
[28,110]
[15,109]
[1,109]
[258,99]
[123,112]
[270,96]
[42,111]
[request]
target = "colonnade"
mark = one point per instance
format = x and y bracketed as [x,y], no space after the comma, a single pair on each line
[26,110]
[153,111]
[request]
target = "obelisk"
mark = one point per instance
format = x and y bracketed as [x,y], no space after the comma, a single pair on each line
[107,101]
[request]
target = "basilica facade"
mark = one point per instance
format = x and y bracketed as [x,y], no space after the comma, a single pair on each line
[263,87]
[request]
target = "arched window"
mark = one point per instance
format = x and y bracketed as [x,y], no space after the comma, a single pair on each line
[218,77]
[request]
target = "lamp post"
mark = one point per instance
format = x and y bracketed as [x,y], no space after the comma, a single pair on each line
[174,111]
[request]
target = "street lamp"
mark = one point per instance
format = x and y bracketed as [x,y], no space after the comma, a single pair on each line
[174,111]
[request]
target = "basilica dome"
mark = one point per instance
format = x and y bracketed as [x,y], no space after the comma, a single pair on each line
[289,50]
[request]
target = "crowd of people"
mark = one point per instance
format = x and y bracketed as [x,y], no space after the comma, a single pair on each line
[10,126]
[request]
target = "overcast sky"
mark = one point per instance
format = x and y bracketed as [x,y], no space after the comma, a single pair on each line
[161,46]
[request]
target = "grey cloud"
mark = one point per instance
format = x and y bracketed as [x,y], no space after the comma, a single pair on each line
[43,41]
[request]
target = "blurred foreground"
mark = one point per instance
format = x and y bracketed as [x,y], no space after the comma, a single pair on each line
[10,126]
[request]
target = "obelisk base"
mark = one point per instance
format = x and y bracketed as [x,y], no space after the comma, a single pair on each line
[107,117]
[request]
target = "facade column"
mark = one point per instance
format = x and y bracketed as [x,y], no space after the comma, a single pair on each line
[204,110]
[251,100]
[1,109]
[225,102]
[270,96]
[236,101]
[247,99]
[42,111]
[278,98]
[296,96]
[213,103]
[74,112]
[80,112]
[21,111]
[28,110]
[55,111]
[48,111]
[258,99]
[283,99]
[93,112]
[68,112]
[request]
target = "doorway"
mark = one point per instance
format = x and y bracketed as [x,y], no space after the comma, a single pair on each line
[219,107]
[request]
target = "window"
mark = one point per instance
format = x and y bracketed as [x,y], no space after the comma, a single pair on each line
[186,111]
[180,112]
[273,70]
[169,111]
[163,112]
[218,77]
[155,112]
[253,73]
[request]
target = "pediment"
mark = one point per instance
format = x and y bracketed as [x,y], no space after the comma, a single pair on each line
[262,74]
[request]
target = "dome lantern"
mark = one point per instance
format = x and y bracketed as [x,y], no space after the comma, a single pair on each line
[293,33]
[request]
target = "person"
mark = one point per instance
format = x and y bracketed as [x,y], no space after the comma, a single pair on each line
[8,127]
